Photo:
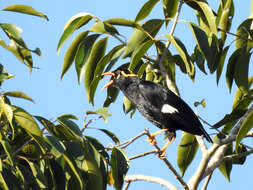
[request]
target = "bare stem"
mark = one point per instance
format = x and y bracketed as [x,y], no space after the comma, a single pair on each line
[130,141]
[131,178]
[143,154]
[207,181]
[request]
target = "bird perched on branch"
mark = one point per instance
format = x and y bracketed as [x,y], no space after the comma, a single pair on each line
[158,104]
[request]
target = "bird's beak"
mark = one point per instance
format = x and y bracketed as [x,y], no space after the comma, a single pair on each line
[110,82]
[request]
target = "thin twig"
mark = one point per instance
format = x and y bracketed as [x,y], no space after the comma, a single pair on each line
[127,185]
[143,154]
[207,181]
[131,178]
[238,36]
[168,164]
[127,142]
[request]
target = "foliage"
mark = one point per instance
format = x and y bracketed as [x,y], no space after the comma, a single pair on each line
[37,153]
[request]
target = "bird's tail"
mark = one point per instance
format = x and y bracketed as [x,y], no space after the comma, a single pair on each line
[208,138]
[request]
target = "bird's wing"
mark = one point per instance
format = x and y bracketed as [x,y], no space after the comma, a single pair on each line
[169,104]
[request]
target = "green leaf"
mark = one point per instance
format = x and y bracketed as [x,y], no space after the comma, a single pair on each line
[73,169]
[56,146]
[83,54]
[199,58]
[47,124]
[103,112]
[115,58]
[99,70]
[226,18]
[183,54]
[203,44]
[112,94]
[145,10]
[7,110]
[91,164]
[246,125]
[221,63]
[242,71]
[73,24]
[98,145]
[12,30]
[206,15]
[25,9]
[202,102]
[186,151]
[139,53]
[68,116]
[243,39]
[26,121]
[120,166]
[169,9]
[121,22]
[18,94]
[97,52]
[40,178]
[231,68]
[3,182]
[103,27]
[4,75]
[111,135]
[8,150]
[239,96]
[226,166]
[139,36]
[127,105]
[233,116]
[71,52]
[71,127]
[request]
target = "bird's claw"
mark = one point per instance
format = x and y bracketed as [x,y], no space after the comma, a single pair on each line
[152,140]
[162,154]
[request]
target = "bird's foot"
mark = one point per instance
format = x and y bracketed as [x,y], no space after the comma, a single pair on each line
[152,140]
[162,154]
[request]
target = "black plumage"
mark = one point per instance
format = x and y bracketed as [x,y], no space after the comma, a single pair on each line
[158,104]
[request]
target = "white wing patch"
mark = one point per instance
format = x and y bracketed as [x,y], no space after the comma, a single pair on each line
[169,109]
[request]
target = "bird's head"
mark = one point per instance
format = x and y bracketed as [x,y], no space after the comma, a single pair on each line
[120,78]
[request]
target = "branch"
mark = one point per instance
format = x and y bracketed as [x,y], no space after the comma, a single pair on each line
[202,144]
[221,144]
[128,142]
[164,54]
[207,181]
[237,156]
[168,164]
[131,178]
[143,154]
[217,152]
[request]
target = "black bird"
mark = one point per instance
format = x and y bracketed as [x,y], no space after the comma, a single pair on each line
[158,104]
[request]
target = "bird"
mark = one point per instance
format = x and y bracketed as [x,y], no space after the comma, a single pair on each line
[158,104]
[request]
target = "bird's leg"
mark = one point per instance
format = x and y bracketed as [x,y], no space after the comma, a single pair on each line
[152,139]
[163,154]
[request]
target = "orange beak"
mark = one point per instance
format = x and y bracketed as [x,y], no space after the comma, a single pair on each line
[110,82]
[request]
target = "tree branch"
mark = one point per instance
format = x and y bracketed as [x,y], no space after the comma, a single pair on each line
[143,154]
[128,142]
[217,152]
[158,180]
[168,164]
[207,181]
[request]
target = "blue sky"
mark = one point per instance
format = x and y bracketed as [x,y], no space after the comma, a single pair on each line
[54,97]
